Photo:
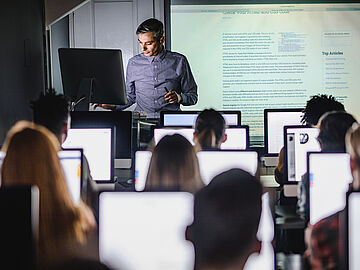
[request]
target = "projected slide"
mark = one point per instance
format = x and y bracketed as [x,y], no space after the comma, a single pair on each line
[252,57]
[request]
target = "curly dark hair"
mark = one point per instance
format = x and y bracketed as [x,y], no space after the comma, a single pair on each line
[51,110]
[317,106]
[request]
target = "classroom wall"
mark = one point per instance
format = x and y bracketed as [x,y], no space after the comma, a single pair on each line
[22,69]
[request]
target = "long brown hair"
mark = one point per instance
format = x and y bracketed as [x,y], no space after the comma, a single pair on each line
[174,165]
[31,159]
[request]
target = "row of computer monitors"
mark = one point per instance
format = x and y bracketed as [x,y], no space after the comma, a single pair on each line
[121,123]
[297,141]
[329,174]
[146,224]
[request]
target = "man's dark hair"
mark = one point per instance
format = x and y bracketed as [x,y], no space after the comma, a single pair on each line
[209,123]
[51,110]
[317,106]
[226,219]
[333,128]
[151,25]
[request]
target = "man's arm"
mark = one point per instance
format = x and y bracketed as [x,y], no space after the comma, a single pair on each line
[188,86]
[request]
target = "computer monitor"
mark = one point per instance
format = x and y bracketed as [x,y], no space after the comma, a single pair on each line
[212,163]
[19,226]
[237,137]
[352,244]
[71,162]
[121,120]
[265,260]
[142,162]
[98,146]
[329,176]
[298,140]
[2,156]
[145,230]
[95,75]
[188,118]
[274,122]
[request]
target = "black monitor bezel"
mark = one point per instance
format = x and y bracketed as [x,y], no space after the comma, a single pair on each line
[77,64]
[104,119]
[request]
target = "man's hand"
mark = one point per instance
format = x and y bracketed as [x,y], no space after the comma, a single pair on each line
[105,106]
[173,97]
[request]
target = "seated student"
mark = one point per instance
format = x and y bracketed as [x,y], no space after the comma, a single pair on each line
[52,111]
[31,159]
[314,109]
[209,130]
[326,242]
[174,166]
[333,127]
[226,220]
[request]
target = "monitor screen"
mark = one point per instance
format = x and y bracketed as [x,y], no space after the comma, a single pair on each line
[267,54]
[353,230]
[142,162]
[2,156]
[275,120]
[97,144]
[237,138]
[211,167]
[298,141]
[188,118]
[71,162]
[329,179]
[265,260]
[121,120]
[145,230]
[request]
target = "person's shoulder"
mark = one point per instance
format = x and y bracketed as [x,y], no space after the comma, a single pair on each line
[136,58]
[330,222]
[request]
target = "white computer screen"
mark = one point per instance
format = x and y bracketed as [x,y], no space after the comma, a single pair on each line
[353,230]
[212,163]
[96,143]
[189,119]
[142,162]
[236,137]
[71,164]
[330,176]
[265,260]
[299,141]
[145,230]
[2,156]
[275,128]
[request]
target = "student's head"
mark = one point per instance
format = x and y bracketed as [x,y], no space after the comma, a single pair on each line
[317,106]
[151,36]
[353,148]
[226,220]
[52,111]
[31,159]
[210,129]
[333,127]
[174,166]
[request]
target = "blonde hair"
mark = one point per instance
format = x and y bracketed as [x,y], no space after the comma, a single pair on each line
[174,165]
[352,141]
[31,159]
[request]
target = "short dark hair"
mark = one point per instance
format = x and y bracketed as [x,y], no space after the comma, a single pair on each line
[209,123]
[317,106]
[226,219]
[51,110]
[151,25]
[333,128]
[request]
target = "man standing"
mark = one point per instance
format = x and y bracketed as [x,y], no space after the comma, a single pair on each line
[157,79]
